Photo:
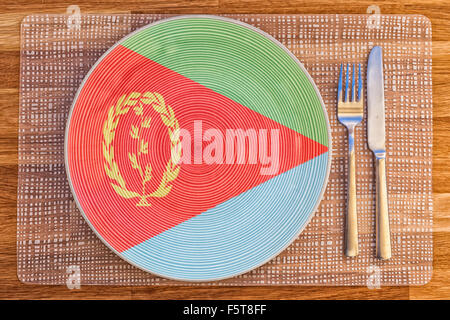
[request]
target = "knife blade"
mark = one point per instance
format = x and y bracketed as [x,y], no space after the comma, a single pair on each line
[377,143]
[375,102]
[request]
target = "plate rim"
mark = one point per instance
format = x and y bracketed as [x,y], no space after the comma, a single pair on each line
[214,17]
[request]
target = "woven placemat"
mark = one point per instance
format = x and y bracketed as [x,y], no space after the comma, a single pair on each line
[53,240]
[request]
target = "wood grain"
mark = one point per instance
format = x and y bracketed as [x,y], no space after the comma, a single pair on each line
[11,14]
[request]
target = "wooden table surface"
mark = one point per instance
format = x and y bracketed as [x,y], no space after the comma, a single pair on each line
[13,11]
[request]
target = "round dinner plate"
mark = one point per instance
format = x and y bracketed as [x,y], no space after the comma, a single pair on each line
[197,148]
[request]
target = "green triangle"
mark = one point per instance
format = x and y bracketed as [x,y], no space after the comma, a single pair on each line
[239,63]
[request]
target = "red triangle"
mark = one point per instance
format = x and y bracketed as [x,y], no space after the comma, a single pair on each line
[200,185]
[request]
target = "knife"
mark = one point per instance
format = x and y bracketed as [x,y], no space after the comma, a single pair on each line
[376,141]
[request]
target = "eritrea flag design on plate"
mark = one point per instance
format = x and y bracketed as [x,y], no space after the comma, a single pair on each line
[197,148]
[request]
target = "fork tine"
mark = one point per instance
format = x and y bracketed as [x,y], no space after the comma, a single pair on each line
[353,83]
[340,86]
[359,82]
[346,96]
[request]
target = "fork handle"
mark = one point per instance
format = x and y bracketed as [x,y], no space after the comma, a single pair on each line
[351,245]
[382,212]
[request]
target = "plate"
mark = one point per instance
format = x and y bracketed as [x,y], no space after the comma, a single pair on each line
[197,148]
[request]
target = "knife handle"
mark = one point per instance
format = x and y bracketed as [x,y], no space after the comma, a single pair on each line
[382,211]
[351,224]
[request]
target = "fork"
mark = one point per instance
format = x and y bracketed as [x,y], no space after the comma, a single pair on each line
[350,113]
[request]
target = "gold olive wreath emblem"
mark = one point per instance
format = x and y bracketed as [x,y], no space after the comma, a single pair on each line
[136,101]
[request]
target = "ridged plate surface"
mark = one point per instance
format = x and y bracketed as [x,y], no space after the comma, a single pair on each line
[197,148]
